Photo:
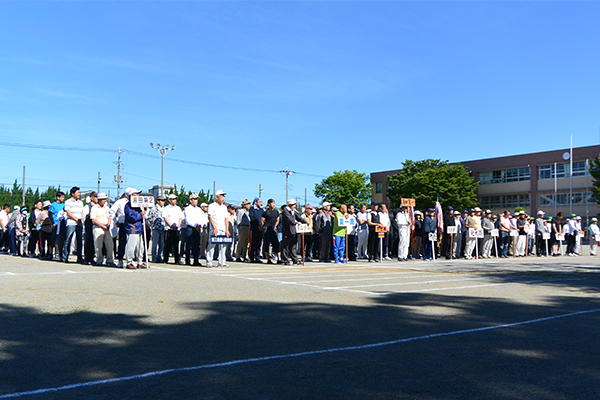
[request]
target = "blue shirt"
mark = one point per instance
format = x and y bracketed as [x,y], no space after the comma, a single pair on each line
[55,208]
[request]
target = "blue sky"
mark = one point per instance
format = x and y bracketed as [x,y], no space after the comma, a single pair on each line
[314,86]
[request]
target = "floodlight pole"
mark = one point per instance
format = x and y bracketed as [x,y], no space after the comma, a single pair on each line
[163,150]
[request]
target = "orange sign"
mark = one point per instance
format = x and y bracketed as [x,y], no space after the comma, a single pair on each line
[408,202]
[381,229]
[381,234]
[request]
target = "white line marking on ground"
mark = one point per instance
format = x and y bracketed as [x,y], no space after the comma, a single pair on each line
[291,355]
[407,283]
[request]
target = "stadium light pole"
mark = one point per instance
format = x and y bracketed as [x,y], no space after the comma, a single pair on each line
[163,150]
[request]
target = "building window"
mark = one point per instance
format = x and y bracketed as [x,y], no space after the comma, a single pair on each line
[580,168]
[378,187]
[506,201]
[505,175]
[562,199]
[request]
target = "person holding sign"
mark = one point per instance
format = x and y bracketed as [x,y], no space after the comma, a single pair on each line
[428,227]
[403,221]
[488,241]
[447,237]
[218,225]
[594,233]
[373,222]
[556,234]
[289,219]
[470,245]
[522,238]
[339,235]
[134,226]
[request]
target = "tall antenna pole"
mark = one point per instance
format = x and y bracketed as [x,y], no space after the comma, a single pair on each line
[99,179]
[118,177]
[571,178]
[162,150]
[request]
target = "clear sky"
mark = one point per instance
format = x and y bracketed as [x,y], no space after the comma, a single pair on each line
[314,86]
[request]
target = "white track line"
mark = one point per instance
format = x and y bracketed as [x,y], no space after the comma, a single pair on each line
[291,355]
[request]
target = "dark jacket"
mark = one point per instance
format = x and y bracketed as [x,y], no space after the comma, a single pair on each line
[428,226]
[289,219]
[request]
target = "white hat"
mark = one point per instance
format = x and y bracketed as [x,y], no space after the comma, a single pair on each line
[129,191]
[418,212]
[46,204]
[203,205]
[326,203]
[172,196]
[540,212]
[102,196]
[488,211]
[220,192]
[291,201]
[578,217]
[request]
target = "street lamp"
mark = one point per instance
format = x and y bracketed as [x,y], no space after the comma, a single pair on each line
[162,150]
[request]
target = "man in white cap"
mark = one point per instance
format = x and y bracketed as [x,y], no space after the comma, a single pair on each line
[100,216]
[205,233]
[594,232]
[218,219]
[173,217]
[118,216]
[289,219]
[73,210]
[323,225]
[403,221]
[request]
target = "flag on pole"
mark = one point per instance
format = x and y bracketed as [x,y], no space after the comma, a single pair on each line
[439,216]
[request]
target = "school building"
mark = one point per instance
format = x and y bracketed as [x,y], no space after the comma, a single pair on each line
[535,181]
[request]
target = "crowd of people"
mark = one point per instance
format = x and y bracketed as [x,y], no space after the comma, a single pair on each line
[126,234]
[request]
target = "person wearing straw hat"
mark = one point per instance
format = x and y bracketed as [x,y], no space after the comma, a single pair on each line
[218,218]
[100,216]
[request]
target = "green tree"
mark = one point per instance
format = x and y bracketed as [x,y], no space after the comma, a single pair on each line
[595,173]
[429,180]
[349,187]
[183,196]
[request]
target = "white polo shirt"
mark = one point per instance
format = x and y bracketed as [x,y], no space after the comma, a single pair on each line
[219,214]
[76,208]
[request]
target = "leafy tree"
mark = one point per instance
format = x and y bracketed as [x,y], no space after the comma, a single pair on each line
[349,187]
[595,172]
[183,196]
[428,180]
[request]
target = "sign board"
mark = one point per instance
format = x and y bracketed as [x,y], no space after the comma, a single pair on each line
[302,228]
[381,235]
[546,235]
[579,234]
[452,229]
[495,233]
[475,233]
[381,229]
[221,239]
[514,233]
[597,238]
[350,221]
[433,237]
[142,201]
[408,202]
[560,237]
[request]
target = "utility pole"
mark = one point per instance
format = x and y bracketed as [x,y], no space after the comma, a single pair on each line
[118,177]
[162,150]
[99,179]
[260,190]
[24,187]
[305,197]
[287,173]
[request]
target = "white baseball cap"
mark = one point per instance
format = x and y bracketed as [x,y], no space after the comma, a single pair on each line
[220,192]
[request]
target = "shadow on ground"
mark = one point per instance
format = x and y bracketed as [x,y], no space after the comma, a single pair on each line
[556,359]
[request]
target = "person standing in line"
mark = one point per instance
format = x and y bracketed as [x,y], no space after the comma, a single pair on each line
[429,226]
[205,230]
[581,233]
[74,209]
[21,231]
[362,232]
[403,221]
[540,229]
[268,226]
[373,222]
[316,241]
[505,229]
[488,241]
[339,235]
[470,224]
[232,221]
[118,215]
[134,229]
[4,228]
[384,220]
[325,233]
[191,218]
[100,216]
[88,236]
[243,221]
[34,229]
[457,244]
[593,231]
[351,230]
[173,217]
[157,222]
[218,226]
[290,217]
[308,217]
[522,238]
[57,239]
[447,237]
[571,232]
[256,232]
[44,221]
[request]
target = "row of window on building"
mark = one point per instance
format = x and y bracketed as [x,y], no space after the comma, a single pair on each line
[546,200]
[580,168]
